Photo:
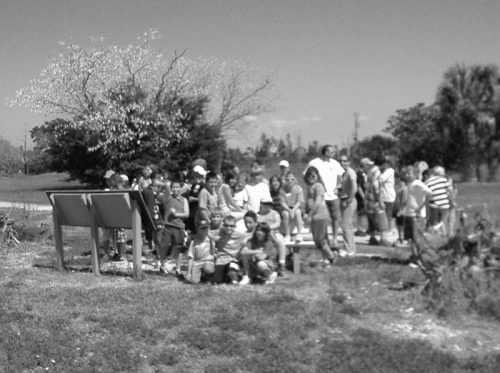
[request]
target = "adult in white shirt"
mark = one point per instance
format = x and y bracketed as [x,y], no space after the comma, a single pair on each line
[330,172]
[387,189]
[257,189]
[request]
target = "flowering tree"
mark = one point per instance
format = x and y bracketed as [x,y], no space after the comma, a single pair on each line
[133,97]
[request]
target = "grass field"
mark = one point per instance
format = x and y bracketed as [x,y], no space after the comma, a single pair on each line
[29,188]
[354,318]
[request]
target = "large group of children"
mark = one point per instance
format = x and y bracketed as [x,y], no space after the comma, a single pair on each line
[235,227]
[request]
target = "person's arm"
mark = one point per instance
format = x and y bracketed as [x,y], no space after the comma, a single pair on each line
[283,201]
[319,197]
[427,199]
[277,220]
[228,198]
[184,214]
[299,198]
[203,200]
[353,187]
[248,248]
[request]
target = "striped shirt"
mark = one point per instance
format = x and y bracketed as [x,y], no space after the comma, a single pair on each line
[439,186]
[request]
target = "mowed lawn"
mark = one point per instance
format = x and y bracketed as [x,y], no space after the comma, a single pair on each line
[31,188]
[348,319]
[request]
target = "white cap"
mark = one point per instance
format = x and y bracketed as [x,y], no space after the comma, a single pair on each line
[108,174]
[124,177]
[199,170]
[266,201]
[284,163]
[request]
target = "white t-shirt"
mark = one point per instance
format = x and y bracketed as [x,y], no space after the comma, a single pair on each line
[257,193]
[329,171]
[417,192]
[387,191]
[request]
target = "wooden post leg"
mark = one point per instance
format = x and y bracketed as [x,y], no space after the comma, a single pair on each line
[58,242]
[296,259]
[94,254]
[136,241]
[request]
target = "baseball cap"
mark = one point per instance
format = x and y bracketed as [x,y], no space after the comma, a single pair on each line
[124,177]
[284,163]
[203,223]
[367,162]
[199,170]
[266,201]
[109,173]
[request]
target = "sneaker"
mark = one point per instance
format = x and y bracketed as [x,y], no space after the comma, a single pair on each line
[343,253]
[299,238]
[288,239]
[272,278]
[373,241]
[245,280]
[234,282]
[179,275]
[117,258]
[163,271]
[280,270]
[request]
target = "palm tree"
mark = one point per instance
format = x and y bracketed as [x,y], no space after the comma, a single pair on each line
[468,99]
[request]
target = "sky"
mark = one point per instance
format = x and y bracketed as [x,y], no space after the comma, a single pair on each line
[330,58]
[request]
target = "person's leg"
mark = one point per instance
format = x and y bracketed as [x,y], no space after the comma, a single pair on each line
[279,244]
[319,230]
[207,271]
[389,210]
[297,222]
[232,276]
[285,223]
[219,273]
[334,209]
[262,269]
[165,246]
[433,216]
[444,218]
[372,227]
[245,259]
[195,275]
[348,227]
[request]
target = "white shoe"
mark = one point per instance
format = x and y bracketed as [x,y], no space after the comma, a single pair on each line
[272,278]
[245,280]
[299,238]
[288,239]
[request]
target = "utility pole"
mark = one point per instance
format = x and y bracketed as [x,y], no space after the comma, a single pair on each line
[25,151]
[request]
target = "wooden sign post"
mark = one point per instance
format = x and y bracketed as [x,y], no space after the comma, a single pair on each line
[100,209]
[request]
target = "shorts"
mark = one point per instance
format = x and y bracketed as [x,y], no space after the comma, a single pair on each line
[334,209]
[172,237]
[319,230]
[226,272]
[410,225]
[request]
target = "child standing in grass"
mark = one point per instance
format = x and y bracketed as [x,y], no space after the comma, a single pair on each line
[176,210]
[201,254]
[317,213]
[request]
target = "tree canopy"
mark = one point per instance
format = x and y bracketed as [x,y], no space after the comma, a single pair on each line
[459,130]
[133,104]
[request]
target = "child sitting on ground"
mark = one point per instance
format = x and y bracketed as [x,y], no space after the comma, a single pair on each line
[228,244]
[272,218]
[201,255]
[257,256]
